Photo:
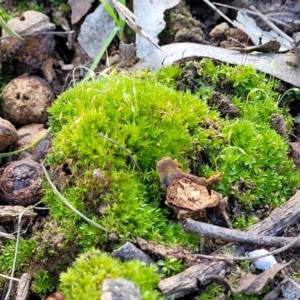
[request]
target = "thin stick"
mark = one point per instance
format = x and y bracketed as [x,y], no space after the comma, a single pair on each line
[272,25]
[7,236]
[192,226]
[26,147]
[38,33]
[131,20]
[218,11]
[65,201]
[251,12]
[258,13]
[277,251]
[9,277]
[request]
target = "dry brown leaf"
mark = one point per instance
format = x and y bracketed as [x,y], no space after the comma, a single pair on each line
[184,193]
[272,46]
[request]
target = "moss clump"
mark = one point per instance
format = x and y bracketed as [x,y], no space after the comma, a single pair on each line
[147,118]
[254,157]
[150,121]
[249,153]
[84,279]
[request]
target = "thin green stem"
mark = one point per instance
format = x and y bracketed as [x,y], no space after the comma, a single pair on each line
[27,147]
[101,52]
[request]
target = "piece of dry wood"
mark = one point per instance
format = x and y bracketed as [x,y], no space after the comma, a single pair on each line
[10,213]
[232,235]
[23,287]
[187,281]
[277,65]
[281,217]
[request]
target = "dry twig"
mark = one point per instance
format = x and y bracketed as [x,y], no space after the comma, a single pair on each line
[218,11]
[7,236]
[191,225]
[251,12]
[232,235]
[272,25]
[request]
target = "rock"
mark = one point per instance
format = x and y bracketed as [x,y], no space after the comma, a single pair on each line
[26,99]
[33,49]
[219,30]
[8,134]
[120,289]
[150,16]
[94,31]
[79,9]
[128,252]
[21,183]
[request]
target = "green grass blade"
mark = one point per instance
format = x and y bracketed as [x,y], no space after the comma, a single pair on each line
[110,11]
[9,30]
[101,52]
[25,148]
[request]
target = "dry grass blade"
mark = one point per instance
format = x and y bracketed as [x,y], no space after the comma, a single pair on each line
[131,21]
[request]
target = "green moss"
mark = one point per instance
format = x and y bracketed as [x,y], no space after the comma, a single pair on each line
[62,5]
[251,155]
[29,5]
[43,282]
[84,279]
[211,292]
[170,266]
[7,253]
[150,121]
[26,248]
[136,113]
[143,113]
